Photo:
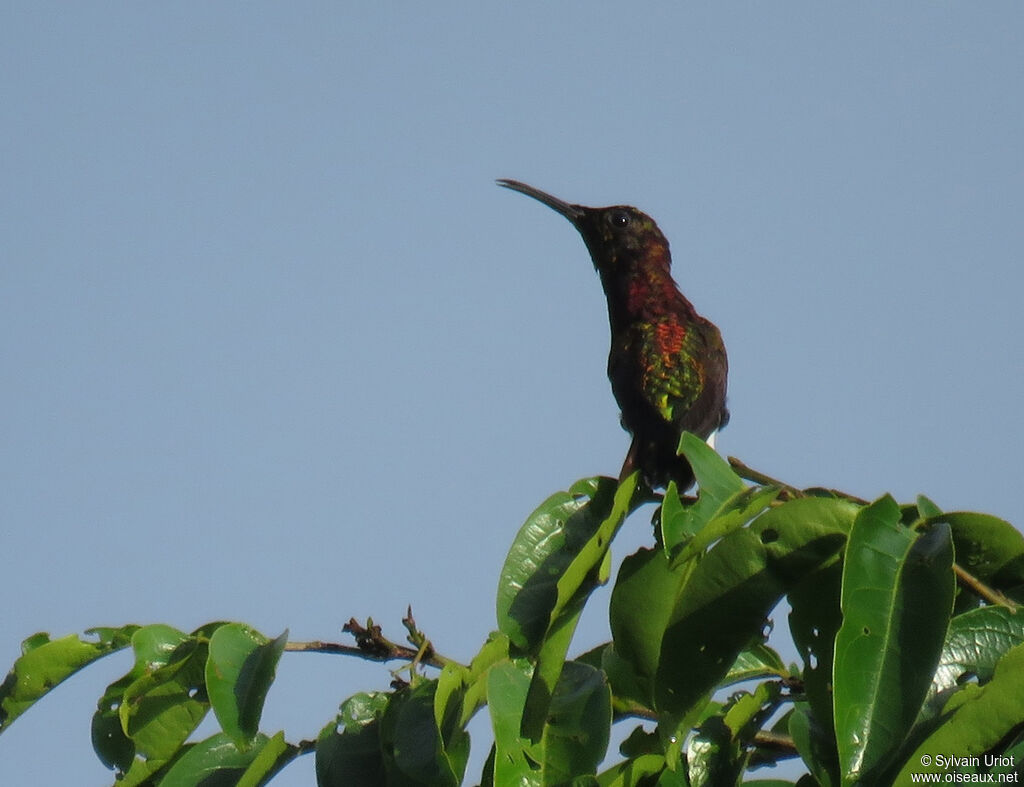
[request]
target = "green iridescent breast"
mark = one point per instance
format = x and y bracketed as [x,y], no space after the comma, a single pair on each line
[671,376]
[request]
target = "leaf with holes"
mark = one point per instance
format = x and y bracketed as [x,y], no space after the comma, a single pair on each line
[45,663]
[897,598]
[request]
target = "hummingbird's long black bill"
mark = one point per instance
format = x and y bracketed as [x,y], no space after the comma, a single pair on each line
[572,212]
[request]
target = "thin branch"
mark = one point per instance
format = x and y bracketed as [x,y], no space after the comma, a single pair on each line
[750,474]
[788,491]
[967,579]
[763,739]
[372,645]
[319,646]
[766,739]
[975,585]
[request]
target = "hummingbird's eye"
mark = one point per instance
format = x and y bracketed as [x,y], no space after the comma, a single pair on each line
[620,219]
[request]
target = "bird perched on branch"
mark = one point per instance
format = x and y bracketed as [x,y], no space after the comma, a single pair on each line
[667,364]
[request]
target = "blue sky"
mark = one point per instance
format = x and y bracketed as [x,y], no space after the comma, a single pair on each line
[277,350]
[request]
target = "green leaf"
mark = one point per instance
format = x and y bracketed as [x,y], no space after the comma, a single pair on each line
[628,697]
[896,599]
[548,669]
[756,663]
[712,757]
[217,760]
[507,685]
[153,647]
[161,707]
[452,684]
[980,718]
[682,628]
[494,651]
[975,643]
[576,735]
[576,563]
[1009,759]
[154,708]
[410,733]
[717,753]
[641,607]
[926,508]
[816,745]
[239,670]
[734,512]
[449,701]
[541,553]
[674,515]
[45,663]
[558,557]
[353,754]
[814,621]
[718,483]
[634,772]
[988,547]
[146,773]
[640,741]
[713,474]
[722,606]
[271,758]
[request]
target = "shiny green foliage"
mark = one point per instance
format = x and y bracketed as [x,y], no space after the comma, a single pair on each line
[144,720]
[897,596]
[45,663]
[240,667]
[910,657]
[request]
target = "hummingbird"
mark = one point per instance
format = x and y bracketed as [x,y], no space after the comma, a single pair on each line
[667,364]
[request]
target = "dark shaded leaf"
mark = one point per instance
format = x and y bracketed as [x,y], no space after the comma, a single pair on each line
[814,621]
[816,746]
[410,733]
[988,547]
[352,754]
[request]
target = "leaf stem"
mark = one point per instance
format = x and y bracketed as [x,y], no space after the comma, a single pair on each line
[989,594]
